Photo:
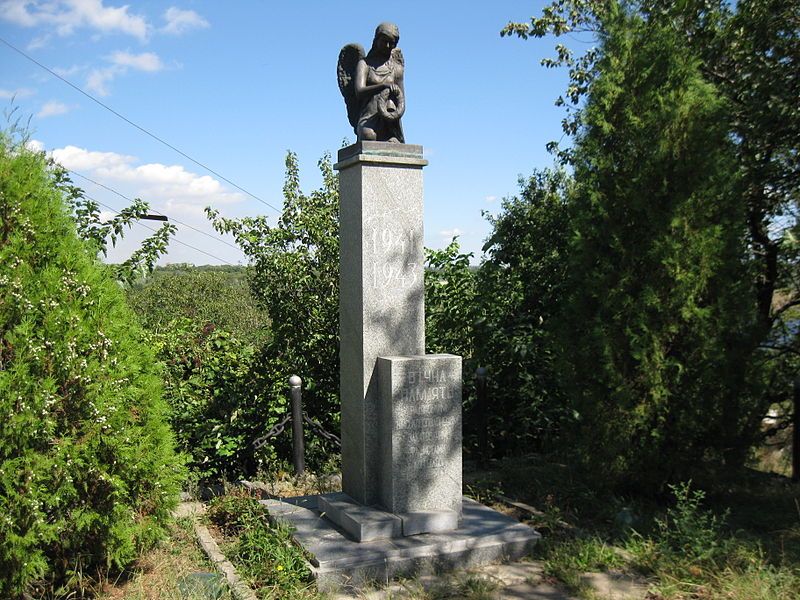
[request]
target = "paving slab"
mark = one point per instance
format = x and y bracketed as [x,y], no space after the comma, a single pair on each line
[612,585]
[514,580]
[530,591]
[514,573]
[484,536]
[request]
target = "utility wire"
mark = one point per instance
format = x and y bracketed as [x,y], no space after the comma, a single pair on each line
[124,197]
[139,127]
[155,230]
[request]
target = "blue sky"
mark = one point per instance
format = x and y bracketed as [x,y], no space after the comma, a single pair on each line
[236,84]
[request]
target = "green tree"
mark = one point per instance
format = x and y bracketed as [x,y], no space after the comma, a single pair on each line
[521,284]
[219,402]
[88,474]
[755,64]
[207,330]
[658,307]
[499,315]
[294,278]
[450,302]
[750,51]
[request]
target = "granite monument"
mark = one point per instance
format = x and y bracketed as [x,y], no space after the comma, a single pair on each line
[401,509]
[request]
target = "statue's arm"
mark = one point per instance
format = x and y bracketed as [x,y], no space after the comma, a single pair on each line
[361,87]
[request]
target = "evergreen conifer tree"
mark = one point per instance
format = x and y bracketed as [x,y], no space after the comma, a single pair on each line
[660,301]
[87,468]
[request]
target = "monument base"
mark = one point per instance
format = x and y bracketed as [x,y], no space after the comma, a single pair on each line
[483,536]
[367,523]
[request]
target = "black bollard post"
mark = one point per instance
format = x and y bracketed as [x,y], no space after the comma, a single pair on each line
[298,451]
[483,414]
[796,432]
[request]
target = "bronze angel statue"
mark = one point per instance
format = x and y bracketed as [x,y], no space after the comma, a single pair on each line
[372,86]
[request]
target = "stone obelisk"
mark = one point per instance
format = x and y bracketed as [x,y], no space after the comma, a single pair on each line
[382,303]
[401,410]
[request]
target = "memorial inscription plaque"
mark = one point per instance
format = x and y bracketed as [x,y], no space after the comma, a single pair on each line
[420,430]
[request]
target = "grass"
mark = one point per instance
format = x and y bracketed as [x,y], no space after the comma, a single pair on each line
[732,536]
[725,536]
[448,586]
[262,552]
[168,571]
[568,559]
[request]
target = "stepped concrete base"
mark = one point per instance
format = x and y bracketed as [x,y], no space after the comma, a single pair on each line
[484,536]
[367,523]
[361,523]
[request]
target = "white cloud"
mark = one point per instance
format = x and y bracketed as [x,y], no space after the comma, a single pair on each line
[16,11]
[172,182]
[110,19]
[34,145]
[169,186]
[197,211]
[146,61]
[39,42]
[66,16]
[80,159]
[180,21]
[491,199]
[17,93]
[99,79]
[169,189]
[68,71]
[450,233]
[53,108]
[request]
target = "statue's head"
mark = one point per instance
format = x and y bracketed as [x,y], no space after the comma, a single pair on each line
[390,30]
[386,37]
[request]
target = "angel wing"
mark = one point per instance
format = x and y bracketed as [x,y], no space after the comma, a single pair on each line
[397,56]
[345,73]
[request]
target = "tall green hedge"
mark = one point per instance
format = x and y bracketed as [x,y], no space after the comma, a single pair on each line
[88,473]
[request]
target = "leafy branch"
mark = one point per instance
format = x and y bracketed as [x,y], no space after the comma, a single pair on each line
[97,232]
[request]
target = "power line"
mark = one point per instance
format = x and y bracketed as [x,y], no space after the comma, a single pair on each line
[139,127]
[155,230]
[124,197]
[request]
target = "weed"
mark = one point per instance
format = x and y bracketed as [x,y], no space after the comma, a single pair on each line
[283,483]
[454,587]
[235,511]
[263,552]
[483,492]
[759,582]
[689,531]
[567,560]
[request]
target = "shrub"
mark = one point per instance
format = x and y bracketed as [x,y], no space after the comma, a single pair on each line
[294,278]
[87,469]
[219,296]
[689,543]
[520,291]
[218,401]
